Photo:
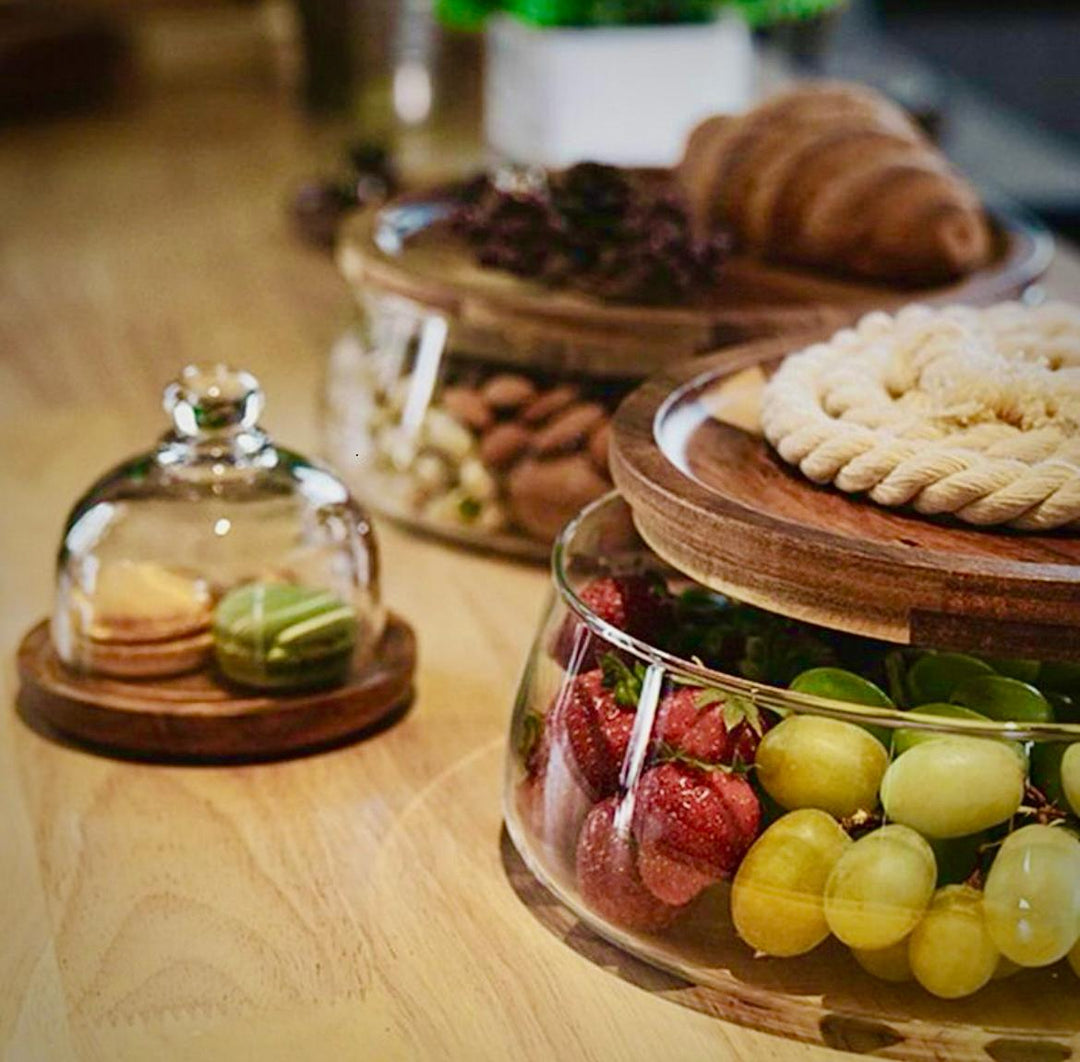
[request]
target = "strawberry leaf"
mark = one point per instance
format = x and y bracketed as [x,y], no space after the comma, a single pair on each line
[709,698]
[685,680]
[532,727]
[739,710]
[625,682]
[666,753]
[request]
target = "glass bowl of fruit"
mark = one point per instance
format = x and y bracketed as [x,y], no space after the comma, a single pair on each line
[805,823]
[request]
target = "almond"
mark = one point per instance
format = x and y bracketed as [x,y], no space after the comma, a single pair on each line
[544,495]
[569,429]
[598,446]
[508,391]
[504,444]
[467,407]
[548,403]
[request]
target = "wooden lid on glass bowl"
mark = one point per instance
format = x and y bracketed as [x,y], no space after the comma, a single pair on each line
[712,499]
[405,248]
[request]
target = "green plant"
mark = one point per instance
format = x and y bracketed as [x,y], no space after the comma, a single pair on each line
[472,13]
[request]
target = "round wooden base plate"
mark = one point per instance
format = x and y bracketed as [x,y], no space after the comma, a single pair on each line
[711,498]
[197,717]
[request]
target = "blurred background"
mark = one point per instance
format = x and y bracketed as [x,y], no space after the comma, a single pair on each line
[395,88]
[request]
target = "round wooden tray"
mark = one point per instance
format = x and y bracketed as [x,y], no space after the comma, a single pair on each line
[197,718]
[711,498]
[403,249]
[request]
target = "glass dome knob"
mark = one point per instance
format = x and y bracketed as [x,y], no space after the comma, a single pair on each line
[208,399]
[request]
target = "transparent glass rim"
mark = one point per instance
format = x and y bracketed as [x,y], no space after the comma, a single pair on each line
[774,697]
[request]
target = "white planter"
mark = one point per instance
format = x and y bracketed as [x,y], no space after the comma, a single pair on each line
[626,95]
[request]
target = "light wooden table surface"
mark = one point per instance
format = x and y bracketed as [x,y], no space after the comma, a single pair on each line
[357,904]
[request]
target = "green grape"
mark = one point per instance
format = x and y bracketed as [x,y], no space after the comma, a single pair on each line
[934,676]
[777,897]
[905,738]
[895,665]
[1066,706]
[1032,895]
[808,761]
[1005,699]
[951,951]
[886,964]
[1024,670]
[953,786]
[1070,776]
[840,685]
[1060,677]
[957,857]
[1074,958]
[1046,773]
[879,888]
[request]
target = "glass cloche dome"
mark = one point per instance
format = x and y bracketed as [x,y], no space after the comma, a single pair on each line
[218,549]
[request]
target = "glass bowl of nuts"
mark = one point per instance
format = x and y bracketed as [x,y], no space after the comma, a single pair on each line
[498,327]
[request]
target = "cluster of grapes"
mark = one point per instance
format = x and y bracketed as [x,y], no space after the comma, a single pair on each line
[949,893]
[594,228]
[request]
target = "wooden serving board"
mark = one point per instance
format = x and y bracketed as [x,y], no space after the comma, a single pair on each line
[713,499]
[406,249]
[198,718]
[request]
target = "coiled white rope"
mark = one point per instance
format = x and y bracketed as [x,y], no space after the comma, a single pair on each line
[971,412]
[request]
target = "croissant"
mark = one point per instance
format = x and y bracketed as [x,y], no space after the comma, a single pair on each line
[835,177]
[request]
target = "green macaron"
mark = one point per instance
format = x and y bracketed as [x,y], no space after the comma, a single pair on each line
[283,636]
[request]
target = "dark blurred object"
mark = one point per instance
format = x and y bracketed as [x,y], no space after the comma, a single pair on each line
[326,30]
[398,78]
[319,204]
[55,58]
[804,43]
[809,47]
[1023,54]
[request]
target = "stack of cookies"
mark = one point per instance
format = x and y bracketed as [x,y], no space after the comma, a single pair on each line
[139,619]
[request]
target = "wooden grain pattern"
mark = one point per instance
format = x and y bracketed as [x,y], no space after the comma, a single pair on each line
[499,316]
[353,904]
[716,502]
[195,717]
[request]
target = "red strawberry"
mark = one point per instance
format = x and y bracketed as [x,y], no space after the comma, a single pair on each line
[687,727]
[708,725]
[608,876]
[746,740]
[638,605]
[550,801]
[693,827]
[594,728]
